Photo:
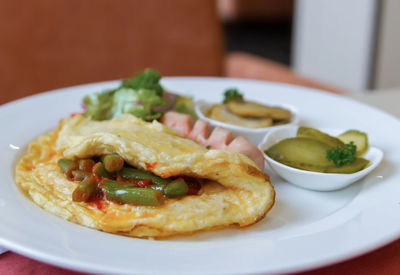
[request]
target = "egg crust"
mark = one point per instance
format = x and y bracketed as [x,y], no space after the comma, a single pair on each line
[237,192]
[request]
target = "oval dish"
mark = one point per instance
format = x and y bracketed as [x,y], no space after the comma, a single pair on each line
[315,180]
[253,135]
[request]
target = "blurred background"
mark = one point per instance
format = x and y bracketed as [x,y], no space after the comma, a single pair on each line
[345,46]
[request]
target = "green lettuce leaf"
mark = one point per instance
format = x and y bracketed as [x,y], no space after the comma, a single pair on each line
[148,79]
[99,105]
[184,105]
[140,96]
[137,103]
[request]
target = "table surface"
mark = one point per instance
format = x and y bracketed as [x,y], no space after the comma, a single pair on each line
[385,260]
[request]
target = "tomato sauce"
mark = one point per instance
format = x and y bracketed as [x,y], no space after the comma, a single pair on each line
[150,165]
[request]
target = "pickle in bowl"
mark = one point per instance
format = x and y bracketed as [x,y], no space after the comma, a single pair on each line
[316,151]
[319,160]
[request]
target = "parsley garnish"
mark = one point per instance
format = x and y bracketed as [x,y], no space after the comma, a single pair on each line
[232,94]
[342,155]
[208,147]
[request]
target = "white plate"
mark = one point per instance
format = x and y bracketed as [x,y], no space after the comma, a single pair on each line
[304,230]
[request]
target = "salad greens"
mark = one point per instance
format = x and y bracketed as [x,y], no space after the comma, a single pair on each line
[141,95]
[137,102]
[147,79]
[183,104]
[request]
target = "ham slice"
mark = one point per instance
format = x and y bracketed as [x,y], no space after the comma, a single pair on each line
[219,138]
[200,132]
[242,145]
[181,123]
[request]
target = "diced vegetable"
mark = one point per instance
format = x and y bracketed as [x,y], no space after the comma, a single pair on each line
[132,173]
[111,179]
[100,171]
[86,164]
[176,189]
[113,162]
[79,175]
[159,187]
[67,165]
[134,195]
[85,190]
[116,184]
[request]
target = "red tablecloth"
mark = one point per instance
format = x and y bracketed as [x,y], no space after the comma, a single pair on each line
[384,261]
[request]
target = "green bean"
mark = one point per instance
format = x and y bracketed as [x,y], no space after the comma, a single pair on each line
[159,187]
[133,173]
[86,164]
[176,189]
[79,175]
[100,171]
[120,184]
[67,165]
[85,190]
[113,162]
[117,184]
[134,195]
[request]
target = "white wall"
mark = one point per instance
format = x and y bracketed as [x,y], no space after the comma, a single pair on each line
[334,41]
[387,71]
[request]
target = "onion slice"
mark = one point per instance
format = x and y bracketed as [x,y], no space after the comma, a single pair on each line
[83,106]
[167,97]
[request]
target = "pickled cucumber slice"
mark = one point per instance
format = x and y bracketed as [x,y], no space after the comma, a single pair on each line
[357,165]
[220,112]
[310,154]
[302,153]
[253,109]
[312,133]
[360,139]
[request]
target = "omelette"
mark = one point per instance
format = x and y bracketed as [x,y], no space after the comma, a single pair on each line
[221,188]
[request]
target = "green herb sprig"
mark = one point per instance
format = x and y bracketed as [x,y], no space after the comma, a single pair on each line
[342,155]
[232,94]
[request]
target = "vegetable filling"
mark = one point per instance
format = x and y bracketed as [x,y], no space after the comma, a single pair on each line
[109,177]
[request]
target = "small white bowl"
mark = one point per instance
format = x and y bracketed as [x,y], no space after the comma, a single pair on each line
[315,180]
[253,135]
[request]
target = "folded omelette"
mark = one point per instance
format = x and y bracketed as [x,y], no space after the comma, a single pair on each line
[233,190]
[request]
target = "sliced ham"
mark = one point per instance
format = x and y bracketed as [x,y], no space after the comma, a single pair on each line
[181,123]
[200,132]
[220,138]
[242,145]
